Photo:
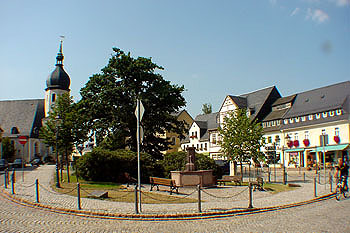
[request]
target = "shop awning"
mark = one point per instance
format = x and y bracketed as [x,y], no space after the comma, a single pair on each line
[330,148]
[295,150]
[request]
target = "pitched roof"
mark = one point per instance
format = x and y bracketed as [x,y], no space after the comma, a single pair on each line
[25,115]
[321,99]
[284,100]
[259,99]
[240,101]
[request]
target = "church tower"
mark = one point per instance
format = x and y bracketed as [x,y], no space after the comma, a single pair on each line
[57,83]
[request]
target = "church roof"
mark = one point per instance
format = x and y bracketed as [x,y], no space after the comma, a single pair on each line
[58,79]
[21,117]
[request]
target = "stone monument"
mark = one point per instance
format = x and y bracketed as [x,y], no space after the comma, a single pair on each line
[190,176]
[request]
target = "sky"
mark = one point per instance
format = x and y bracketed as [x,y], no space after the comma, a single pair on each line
[213,48]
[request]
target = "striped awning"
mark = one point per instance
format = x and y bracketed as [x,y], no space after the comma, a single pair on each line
[330,148]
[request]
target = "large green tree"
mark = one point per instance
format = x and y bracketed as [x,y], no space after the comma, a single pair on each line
[207,108]
[8,149]
[109,100]
[65,126]
[241,137]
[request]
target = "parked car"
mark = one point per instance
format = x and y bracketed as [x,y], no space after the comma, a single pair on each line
[3,164]
[36,162]
[18,163]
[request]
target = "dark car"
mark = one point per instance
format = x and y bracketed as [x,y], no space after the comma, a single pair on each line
[3,164]
[18,163]
[36,162]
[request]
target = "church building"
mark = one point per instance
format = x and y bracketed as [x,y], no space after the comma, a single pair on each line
[25,117]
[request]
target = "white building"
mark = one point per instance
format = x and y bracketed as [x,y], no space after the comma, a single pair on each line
[292,125]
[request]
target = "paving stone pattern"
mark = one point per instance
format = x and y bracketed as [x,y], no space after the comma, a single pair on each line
[327,216]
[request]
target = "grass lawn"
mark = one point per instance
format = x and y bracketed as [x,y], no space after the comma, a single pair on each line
[116,192]
[270,187]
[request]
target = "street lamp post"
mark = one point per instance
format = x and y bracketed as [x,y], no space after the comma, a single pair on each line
[57,169]
[287,138]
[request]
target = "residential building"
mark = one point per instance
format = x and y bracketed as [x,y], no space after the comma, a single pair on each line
[295,126]
[299,124]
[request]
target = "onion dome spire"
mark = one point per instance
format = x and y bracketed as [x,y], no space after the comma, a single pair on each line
[58,79]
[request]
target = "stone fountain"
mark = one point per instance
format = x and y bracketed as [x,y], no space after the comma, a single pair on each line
[190,176]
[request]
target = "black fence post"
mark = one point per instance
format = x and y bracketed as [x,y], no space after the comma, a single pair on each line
[136,202]
[315,187]
[330,182]
[250,206]
[199,198]
[13,180]
[37,190]
[5,179]
[78,192]
[269,176]
[304,178]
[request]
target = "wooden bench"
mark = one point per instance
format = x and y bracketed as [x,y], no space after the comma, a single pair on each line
[234,179]
[156,181]
[258,184]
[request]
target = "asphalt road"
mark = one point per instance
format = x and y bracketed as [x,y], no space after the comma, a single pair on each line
[326,216]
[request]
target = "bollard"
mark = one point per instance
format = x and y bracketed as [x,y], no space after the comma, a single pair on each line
[315,187]
[13,182]
[136,203]
[286,179]
[199,199]
[37,190]
[5,181]
[269,173]
[331,182]
[304,178]
[78,194]
[250,196]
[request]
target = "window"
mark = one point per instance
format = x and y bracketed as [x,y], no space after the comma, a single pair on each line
[195,134]
[336,131]
[205,146]
[201,146]
[296,136]
[269,139]
[14,130]
[53,98]
[213,138]
[307,135]
[323,132]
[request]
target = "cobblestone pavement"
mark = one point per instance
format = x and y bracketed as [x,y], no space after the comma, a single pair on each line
[326,216]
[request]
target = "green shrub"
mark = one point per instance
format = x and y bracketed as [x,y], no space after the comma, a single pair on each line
[106,165]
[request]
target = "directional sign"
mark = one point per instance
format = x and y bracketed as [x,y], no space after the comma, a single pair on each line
[23,139]
[140,108]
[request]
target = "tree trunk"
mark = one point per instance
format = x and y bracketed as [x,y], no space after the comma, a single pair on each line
[67,166]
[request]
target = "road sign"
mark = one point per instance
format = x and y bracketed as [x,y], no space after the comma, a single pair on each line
[140,108]
[23,139]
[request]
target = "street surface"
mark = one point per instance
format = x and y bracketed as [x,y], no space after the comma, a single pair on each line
[326,216]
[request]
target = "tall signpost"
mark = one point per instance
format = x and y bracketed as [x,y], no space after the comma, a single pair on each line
[22,140]
[139,114]
[324,142]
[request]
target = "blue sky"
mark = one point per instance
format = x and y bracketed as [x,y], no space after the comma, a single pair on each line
[213,48]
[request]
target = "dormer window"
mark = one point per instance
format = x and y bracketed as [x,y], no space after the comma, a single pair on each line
[14,130]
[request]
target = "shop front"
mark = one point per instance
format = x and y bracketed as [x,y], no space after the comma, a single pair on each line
[295,157]
[332,154]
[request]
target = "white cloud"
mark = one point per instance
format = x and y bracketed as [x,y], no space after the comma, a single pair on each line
[295,11]
[341,2]
[273,2]
[317,15]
